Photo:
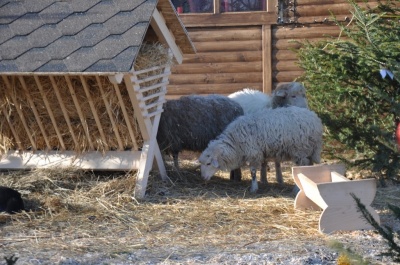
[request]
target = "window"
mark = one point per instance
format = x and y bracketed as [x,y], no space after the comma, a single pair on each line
[207,6]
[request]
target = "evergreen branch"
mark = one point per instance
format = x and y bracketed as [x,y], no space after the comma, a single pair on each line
[385,233]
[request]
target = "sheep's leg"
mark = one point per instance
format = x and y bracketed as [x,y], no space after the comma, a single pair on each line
[236,175]
[263,173]
[254,184]
[278,172]
[176,162]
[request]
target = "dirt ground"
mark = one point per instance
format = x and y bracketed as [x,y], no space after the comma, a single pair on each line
[75,217]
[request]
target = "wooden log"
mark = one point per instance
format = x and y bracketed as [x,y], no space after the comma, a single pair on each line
[231,67]
[323,10]
[285,65]
[224,89]
[222,57]
[287,44]
[225,46]
[211,78]
[326,10]
[325,19]
[229,19]
[318,2]
[282,55]
[225,34]
[306,32]
[286,76]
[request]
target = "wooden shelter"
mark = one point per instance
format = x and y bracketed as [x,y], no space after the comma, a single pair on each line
[250,46]
[72,91]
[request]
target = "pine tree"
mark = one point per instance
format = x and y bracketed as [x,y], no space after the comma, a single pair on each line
[386,232]
[353,84]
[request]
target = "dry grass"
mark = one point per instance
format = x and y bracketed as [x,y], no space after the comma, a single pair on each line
[79,212]
[18,94]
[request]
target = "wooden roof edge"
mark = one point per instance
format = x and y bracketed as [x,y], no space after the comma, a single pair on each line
[64,73]
[176,26]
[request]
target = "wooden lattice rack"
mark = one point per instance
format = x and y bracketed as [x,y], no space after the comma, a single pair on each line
[79,125]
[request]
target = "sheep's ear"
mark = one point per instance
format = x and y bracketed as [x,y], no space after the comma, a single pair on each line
[214,163]
[281,93]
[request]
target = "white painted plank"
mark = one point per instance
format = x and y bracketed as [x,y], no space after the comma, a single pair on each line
[110,160]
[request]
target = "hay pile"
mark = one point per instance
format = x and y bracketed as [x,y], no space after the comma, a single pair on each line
[71,213]
[71,210]
[32,128]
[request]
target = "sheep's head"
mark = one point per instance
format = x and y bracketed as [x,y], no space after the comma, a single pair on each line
[209,162]
[290,94]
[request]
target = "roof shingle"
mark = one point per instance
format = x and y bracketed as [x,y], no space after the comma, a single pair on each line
[74,35]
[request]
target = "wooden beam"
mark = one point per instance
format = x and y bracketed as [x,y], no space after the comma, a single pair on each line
[272,6]
[126,117]
[159,26]
[223,57]
[64,110]
[34,110]
[110,114]
[267,59]
[17,141]
[229,19]
[93,109]
[79,111]
[20,114]
[110,160]
[50,112]
[216,78]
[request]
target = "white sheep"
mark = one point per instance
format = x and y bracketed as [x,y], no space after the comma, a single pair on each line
[281,134]
[252,101]
[289,94]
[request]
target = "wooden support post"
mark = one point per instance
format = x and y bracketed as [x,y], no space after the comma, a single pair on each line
[148,124]
[266,58]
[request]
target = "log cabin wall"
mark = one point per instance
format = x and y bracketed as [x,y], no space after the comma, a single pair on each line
[228,59]
[252,49]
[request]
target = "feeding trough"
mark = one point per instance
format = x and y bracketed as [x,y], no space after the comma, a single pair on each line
[83,83]
[325,187]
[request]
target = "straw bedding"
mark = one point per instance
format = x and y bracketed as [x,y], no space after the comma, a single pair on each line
[91,218]
[19,104]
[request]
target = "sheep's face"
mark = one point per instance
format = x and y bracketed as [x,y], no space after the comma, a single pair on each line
[291,94]
[209,165]
[297,99]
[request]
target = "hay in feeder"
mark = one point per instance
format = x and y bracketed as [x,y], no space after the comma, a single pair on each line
[75,112]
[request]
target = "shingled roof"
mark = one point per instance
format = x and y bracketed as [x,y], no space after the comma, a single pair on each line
[102,36]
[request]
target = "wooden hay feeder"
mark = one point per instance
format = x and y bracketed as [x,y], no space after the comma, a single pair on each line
[77,108]
[325,187]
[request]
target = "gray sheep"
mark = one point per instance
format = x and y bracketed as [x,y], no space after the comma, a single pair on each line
[280,134]
[191,122]
[252,101]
